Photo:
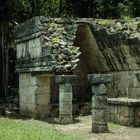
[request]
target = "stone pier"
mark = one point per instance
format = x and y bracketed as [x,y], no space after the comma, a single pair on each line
[65,98]
[34,93]
[99,101]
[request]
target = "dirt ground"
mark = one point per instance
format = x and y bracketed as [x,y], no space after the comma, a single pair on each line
[82,128]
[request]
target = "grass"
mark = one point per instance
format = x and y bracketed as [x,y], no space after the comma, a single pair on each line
[30,130]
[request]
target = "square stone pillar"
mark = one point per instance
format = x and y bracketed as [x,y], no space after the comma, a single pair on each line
[99,101]
[65,97]
[34,93]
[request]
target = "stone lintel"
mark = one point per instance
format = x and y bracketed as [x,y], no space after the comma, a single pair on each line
[100,78]
[35,69]
[124,101]
[62,79]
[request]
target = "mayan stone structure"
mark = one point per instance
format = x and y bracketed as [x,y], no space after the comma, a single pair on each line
[44,48]
[48,47]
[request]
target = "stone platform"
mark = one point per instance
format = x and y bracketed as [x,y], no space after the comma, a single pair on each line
[124,111]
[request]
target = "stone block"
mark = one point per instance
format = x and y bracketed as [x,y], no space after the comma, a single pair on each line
[43,99]
[65,87]
[43,81]
[65,96]
[42,111]
[30,107]
[99,89]
[65,119]
[126,121]
[122,92]
[19,50]
[122,111]
[23,51]
[62,79]
[111,113]
[33,81]
[99,115]
[31,99]
[31,90]
[110,90]
[22,99]
[37,52]
[43,90]
[137,117]
[111,109]
[134,92]
[27,107]
[24,76]
[37,42]
[99,102]
[25,82]
[133,82]
[65,108]
[22,91]
[22,106]
[31,44]
[99,128]
[100,78]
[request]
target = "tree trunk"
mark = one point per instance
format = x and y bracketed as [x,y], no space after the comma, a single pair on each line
[4,57]
[60,8]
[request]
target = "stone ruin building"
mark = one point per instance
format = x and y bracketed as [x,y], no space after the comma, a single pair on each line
[98,52]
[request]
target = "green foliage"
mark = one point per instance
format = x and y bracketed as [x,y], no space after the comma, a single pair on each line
[125,10]
[21,10]
[106,23]
[101,8]
[138,26]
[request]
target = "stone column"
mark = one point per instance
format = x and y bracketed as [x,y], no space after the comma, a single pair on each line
[99,101]
[65,97]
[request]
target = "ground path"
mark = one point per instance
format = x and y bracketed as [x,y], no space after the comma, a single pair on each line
[82,128]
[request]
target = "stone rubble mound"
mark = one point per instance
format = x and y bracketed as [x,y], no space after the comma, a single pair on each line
[58,36]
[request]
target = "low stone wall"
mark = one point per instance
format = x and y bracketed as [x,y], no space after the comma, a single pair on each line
[124,111]
[34,95]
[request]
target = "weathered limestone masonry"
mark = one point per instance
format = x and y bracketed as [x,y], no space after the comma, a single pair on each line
[34,95]
[99,101]
[126,108]
[122,54]
[124,111]
[65,97]
[44,46]
[115,50]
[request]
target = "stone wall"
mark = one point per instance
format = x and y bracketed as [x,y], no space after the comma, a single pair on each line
[34,93]
[125,84]
[124,101]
